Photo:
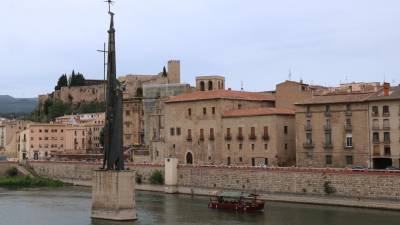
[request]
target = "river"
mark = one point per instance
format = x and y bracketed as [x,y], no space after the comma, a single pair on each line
[71,206]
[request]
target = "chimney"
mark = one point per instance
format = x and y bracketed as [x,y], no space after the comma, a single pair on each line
[386,89]
[229,89]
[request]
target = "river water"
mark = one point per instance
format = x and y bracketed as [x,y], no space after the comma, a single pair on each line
[71,206]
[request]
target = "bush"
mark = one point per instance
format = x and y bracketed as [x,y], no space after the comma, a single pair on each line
[157,177]
[29,182]
[138,178]
[12,172]
[328,188]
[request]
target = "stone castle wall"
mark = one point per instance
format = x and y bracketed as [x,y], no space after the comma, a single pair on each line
[302,181]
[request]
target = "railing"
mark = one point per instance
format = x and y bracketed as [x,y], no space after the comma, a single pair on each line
[240,137]
[308,128]
[308,145]
[228,137]
[201,138]
[308,114]
[211,138]
[386,127]
[327,127]
[265,137]
[328,145]
[376,141]
[348,113]
[349,147]
[348,127]
[328,113]
[386,114]
[375,127]
[189,138]
[387,142]
[252,137]
[375,114]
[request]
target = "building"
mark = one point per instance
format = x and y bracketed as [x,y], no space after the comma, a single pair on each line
[384,129]
[194,124]
[259,136]
[9,130]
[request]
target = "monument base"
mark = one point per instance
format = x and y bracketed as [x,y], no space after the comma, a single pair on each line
[113,195]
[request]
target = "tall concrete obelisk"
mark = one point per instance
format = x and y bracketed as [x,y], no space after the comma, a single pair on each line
[113,188]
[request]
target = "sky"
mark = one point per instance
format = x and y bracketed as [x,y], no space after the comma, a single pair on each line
[257,43]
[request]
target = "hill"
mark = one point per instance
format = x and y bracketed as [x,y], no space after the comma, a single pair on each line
[9,104]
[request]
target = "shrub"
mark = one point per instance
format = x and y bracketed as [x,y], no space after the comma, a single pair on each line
[12,172]
[157,177]
[328,188]
[138,178]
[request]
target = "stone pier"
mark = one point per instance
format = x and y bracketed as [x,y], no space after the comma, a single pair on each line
[113,195]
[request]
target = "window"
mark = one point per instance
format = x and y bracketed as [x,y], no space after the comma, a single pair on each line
[213,110]
[228,134]
[328,139]
[210,85]
[328,160]
[239,106]
[228,146]
[385,110]
[204,111]
[253,162]
[286,146]
[266,146]
[387,151]
[240,133]
[252,146]
[349,160]
[309,138]
[127,112]
[201,134]
[252,133]
[308,110]
[202,86]
[240,159]
[386,124]
[172,131]
[178,131]
[189,134]
[327,109]
[375,124]
[46,131]
[375,111]
[348,122]
[348,107]
[386,137]
[229,161]
[189,111]
[240,146]
[266,161]
[285,129]
[349,140]
[211,133]
[265,135]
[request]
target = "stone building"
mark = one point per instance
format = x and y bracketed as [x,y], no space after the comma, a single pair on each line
[331,131]
[384,130]
[259,136]
[210,83]
[194,124]
[9,130]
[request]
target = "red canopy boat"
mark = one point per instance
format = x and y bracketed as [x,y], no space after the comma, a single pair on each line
[237,201]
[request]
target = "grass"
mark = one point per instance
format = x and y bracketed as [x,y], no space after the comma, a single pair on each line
[29,182]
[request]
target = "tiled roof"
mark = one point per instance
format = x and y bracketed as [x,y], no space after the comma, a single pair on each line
[335,98]
[394,94]
[221,94]
[258,112]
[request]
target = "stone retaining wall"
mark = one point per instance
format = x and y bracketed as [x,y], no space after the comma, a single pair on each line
[302,181]
[4,166]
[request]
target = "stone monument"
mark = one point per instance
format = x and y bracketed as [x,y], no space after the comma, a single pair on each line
[113,187]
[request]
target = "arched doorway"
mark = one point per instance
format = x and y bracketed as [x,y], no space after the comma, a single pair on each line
[189,158]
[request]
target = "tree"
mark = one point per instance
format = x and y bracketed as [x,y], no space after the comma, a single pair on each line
[91,107]
[76,79]
[62,82]
[58,108]
[164,73]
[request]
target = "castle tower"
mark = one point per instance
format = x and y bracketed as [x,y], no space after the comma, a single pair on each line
[174,71]
[210,83]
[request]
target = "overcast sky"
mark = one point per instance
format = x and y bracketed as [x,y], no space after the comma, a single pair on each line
[254,41]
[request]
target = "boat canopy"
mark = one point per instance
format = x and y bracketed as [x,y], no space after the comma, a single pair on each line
[235,194]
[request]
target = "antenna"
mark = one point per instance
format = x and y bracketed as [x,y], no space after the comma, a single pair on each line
[241,85]
[290,74]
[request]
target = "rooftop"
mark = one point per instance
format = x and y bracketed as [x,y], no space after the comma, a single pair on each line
[259,112]
[394,94]
[222,94]
[335,98]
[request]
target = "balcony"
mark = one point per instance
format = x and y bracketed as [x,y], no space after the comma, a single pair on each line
[265,137]
[348,127]
[308,145]
[328,145]
[386,142]
[386,114]
[189,138]
[211,138]
[348,113]
[201,138]
[386,127]
[376,127]
[327,127]
[240,137]
[228,137]
[328,113]
[308,114]
[308,128]
[375,114]
[252,137]
[348,147]
[376,141]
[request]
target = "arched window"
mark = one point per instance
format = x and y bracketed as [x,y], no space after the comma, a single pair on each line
[210,85]
[189,158]
[202,86]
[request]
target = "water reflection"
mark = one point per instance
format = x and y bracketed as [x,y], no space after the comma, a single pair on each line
[71,206]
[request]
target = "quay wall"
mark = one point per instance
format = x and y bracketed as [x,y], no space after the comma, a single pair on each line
[4,166]
[382,185]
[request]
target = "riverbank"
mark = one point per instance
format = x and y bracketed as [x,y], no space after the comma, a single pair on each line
[16,182]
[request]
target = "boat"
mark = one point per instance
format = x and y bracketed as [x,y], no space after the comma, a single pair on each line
[236,201]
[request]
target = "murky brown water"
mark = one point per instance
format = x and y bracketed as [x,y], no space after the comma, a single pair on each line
[71,206]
